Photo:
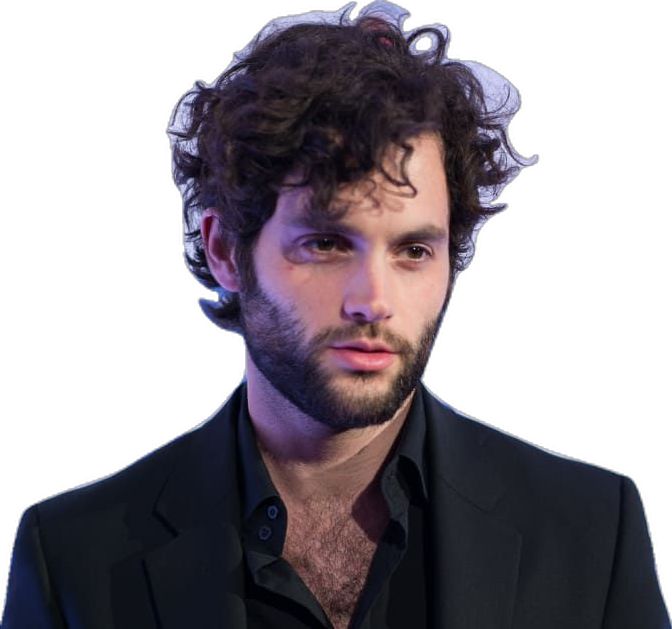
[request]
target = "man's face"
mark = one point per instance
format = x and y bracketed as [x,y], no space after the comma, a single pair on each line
[343,314]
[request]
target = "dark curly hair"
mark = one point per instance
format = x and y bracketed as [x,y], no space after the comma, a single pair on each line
[326,96]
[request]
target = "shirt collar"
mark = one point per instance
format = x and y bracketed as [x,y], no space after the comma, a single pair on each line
[410,448]
[257,484]
[411,445]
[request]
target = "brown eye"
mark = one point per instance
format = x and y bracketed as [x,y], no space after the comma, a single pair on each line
[323,244]
[417,252]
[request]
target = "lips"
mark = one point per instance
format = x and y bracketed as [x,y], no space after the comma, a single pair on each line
[363,356]
[364,346]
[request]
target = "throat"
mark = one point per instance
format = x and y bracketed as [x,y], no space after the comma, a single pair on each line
[340,474]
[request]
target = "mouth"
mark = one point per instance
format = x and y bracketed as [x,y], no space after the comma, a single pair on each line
[365,346]
[362,356]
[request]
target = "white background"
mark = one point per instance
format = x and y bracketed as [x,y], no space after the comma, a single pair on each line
[558,333]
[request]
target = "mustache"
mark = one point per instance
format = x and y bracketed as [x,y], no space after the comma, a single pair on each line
[355,332]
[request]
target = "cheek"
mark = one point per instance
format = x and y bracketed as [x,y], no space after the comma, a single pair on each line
[423,299]
[315,294]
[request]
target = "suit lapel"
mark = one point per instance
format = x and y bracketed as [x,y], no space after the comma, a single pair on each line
[196,579]
[475,554]
[193,579]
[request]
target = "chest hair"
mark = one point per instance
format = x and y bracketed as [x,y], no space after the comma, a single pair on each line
[331,546]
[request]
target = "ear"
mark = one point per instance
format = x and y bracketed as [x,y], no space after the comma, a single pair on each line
[219,254]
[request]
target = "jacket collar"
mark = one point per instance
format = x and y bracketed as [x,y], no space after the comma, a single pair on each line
[476,553]
[459,451]
[196,579]
[203,485]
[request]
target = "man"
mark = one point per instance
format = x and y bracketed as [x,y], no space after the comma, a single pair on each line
[333,179]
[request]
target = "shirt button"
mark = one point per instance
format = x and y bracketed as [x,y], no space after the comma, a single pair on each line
[265,533]
[272,512]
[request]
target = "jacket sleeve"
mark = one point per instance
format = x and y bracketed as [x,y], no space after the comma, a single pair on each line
[634,599]
[30,598]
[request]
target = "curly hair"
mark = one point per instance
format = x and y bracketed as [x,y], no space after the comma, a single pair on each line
[326,96]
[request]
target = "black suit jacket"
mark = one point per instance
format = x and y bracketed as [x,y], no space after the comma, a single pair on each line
[519,538]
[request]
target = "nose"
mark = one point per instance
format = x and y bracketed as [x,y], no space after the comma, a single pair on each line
[367,296]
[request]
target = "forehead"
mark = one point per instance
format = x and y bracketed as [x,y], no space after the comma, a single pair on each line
[376,199]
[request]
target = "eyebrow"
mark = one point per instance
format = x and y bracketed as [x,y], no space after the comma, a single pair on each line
[425,233]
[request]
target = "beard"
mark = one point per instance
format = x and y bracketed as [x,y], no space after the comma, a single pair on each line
[276,342]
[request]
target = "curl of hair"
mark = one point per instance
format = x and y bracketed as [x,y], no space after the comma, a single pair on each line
[326,96]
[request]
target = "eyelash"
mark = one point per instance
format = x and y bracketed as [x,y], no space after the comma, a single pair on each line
[341,244]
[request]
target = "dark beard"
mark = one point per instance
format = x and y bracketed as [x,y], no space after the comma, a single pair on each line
[274,340]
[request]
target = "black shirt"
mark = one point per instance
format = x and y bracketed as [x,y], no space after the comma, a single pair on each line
[394,594]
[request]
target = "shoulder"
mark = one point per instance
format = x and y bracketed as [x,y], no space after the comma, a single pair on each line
[137,486]
[70,541]
[525,474]
[581,528]
[113,496]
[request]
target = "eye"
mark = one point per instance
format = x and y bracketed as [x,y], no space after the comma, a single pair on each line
[417,252]
[323,244]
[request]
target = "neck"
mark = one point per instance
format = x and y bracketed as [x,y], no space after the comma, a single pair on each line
[308,459]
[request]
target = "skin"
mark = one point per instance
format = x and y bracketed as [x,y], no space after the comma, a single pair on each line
[371,276]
